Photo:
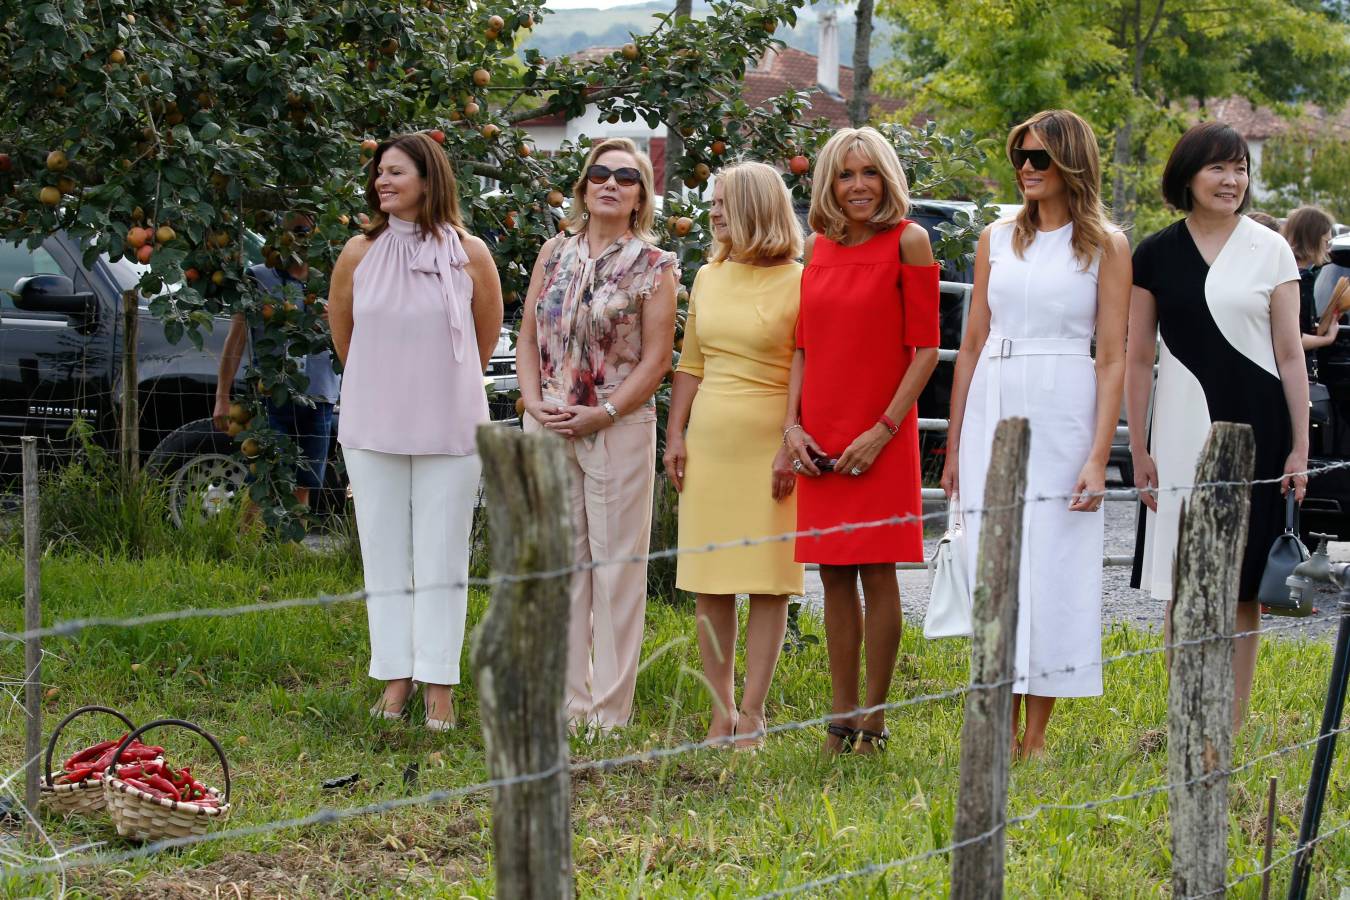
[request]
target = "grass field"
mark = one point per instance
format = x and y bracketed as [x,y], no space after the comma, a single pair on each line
[286,693]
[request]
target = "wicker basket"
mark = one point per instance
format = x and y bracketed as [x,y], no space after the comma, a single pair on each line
[141,817]
[81,798]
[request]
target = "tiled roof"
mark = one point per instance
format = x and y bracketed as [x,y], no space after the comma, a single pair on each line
[791,69]
[1256,123]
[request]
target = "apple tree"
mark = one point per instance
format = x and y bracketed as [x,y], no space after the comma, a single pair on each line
[189,135]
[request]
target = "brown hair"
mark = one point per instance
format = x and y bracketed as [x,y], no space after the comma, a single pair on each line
[826,216]
[759,215]
[1306,230]
[1072,146]
[440,199]
[644,217]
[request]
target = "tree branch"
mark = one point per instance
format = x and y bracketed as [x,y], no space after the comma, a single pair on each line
[555,105]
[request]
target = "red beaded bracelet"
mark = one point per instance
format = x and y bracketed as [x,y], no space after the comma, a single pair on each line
[885,422]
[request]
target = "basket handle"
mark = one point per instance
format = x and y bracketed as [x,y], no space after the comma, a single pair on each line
[190,726]
[56,732]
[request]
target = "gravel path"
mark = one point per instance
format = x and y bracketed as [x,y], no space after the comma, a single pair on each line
[1120,602]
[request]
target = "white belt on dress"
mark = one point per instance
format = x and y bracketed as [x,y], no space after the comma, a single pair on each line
[1006,348]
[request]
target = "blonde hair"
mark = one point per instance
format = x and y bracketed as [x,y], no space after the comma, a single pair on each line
[826,216]
[1336,306]
[758,212]
[642,222]
[1072,146]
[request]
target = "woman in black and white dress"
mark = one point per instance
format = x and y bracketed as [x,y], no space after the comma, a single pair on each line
[1222,291]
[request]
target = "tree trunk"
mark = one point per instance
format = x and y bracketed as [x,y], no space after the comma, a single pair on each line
[977,868]
[1200,689]
[859,104]
[520,662]
[674,141]
[1122,181]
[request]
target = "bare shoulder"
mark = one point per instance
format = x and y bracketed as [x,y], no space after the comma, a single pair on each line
[915,247]
[475,248]
[1117,245]
[807,247]
[355,250]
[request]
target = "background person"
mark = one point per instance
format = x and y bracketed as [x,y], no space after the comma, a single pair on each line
[867,339]
[1222,292]
[1333,366]
[1308,231]
[308,425]
[595,341]
[1047,282]
[416,311]
[732,468]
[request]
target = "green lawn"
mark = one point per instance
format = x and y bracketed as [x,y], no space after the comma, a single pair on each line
[286,693]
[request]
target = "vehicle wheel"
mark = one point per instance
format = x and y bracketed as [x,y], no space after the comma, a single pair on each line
[201,469]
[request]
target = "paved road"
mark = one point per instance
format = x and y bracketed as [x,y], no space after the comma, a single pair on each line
[1120,602]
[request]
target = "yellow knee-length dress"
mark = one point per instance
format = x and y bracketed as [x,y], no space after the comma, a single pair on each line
[739,340]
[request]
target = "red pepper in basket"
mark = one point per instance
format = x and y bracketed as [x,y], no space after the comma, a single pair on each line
[140,785]
[75,775]
[91,753]
[160,783]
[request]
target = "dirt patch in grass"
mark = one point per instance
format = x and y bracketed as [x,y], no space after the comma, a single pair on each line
[360,864]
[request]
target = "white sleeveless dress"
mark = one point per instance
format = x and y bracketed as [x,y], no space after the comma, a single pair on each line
[1037,363]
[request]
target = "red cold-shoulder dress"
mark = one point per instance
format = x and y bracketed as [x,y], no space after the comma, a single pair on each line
[863,313]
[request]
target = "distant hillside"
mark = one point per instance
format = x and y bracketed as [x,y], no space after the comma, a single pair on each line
[569,30]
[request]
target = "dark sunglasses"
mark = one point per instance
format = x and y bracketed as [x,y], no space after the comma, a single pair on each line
[627,176]
[1040,159]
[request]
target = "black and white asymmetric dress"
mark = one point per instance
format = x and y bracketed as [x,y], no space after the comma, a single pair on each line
[1216,364]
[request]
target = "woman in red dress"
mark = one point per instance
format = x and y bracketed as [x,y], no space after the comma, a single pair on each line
[867,338]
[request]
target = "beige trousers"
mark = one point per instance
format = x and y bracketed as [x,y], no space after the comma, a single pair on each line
[611,494]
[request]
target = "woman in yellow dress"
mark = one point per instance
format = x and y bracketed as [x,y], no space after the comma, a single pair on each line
[730,467]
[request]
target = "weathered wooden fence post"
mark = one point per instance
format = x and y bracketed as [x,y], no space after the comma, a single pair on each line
[32,621]
[1200,690]
[520,658]
[986,732]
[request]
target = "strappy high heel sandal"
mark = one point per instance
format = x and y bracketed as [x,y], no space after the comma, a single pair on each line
[876,739]
[847,737]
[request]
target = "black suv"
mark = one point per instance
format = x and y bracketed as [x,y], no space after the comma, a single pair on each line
[60,359]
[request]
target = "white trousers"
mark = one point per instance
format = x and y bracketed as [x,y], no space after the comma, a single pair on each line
[414,515]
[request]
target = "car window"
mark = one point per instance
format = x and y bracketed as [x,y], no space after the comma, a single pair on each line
[17,261]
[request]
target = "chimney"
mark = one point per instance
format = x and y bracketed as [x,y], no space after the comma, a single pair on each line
[827,58]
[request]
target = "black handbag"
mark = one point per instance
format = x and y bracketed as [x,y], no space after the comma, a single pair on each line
[1286,553]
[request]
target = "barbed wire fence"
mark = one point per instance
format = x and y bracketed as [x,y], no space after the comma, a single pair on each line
[88,855]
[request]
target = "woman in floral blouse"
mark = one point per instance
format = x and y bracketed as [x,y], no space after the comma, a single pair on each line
[595,341]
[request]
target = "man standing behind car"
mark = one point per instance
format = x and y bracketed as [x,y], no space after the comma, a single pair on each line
[308,427]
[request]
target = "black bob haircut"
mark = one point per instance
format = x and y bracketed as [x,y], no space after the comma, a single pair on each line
[1201,145]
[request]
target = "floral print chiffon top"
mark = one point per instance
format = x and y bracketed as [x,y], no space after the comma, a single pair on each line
[589,316]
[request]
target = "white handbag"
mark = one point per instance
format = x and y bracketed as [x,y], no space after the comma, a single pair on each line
[949,599]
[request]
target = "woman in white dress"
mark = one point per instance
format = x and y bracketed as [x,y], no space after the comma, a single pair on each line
[1045,283]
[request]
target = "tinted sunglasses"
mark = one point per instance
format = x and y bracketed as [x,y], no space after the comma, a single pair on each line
[1040,159]
[626,176]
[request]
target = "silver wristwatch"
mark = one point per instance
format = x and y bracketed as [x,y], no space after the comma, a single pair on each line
[609,408]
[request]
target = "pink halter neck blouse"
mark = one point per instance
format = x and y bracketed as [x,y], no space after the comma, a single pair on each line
[413,382]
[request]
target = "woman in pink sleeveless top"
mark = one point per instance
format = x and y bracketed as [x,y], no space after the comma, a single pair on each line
[416,308]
